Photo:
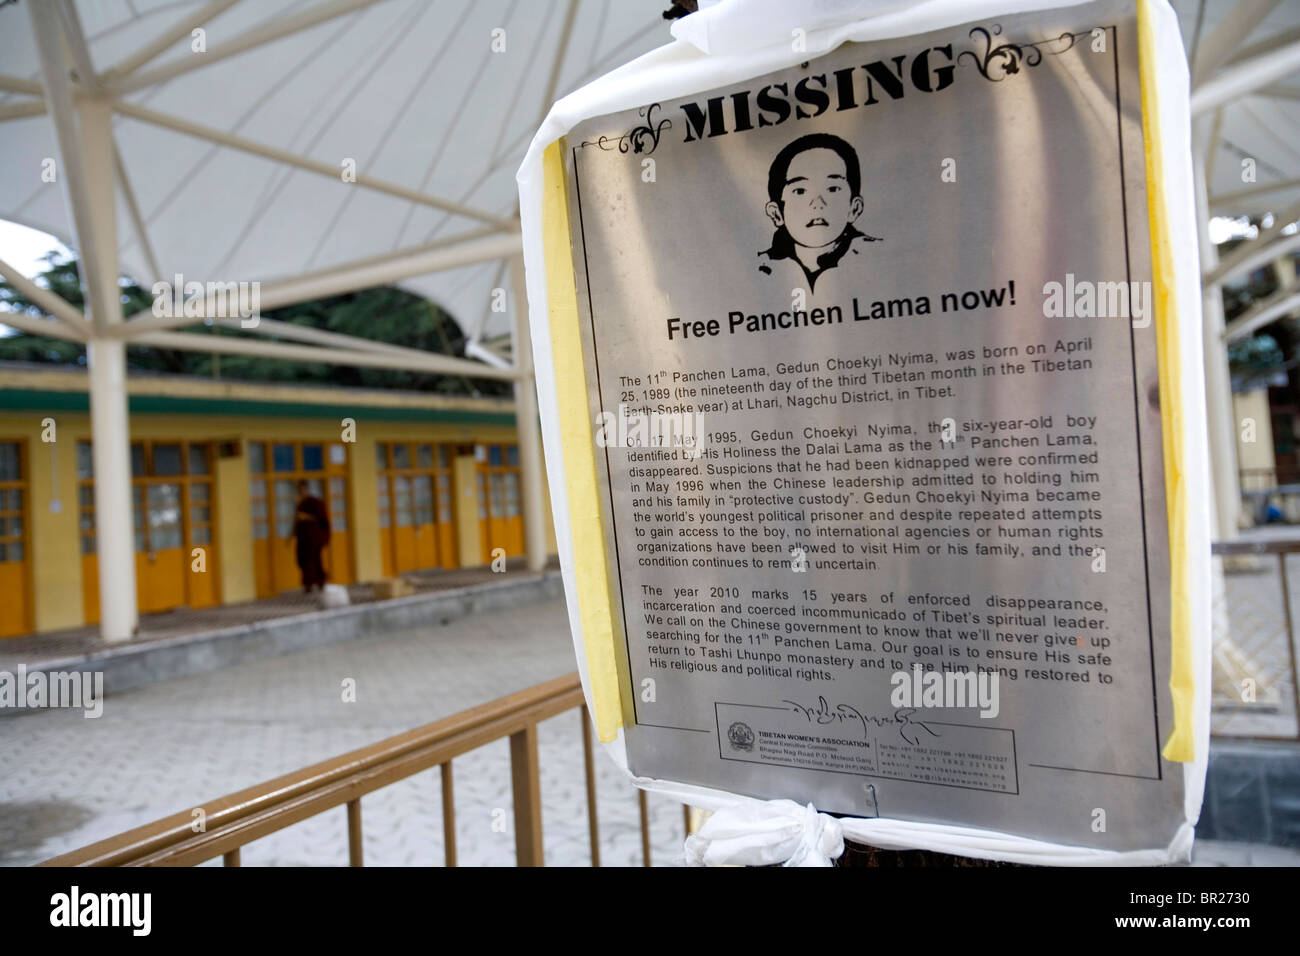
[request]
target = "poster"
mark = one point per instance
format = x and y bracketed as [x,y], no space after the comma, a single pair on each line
[871,360]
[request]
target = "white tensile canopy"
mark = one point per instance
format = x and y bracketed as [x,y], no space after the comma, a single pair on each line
[325,146]
[233,160]
[312,146]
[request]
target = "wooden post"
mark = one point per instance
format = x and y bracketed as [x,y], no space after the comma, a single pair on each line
[528,797]
[448,816]
[354,833]
[645,827]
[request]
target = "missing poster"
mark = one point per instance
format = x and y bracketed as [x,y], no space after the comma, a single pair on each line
[872,363]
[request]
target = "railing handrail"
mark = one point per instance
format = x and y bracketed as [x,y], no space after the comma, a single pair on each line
[1289,544]
[1270,491]
[249,814]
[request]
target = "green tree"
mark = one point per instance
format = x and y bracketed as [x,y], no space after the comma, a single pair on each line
[385,314]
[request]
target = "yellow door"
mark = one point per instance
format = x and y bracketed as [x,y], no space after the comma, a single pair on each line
[277,467]
[200,555]
[498,524]
[382,484]
[426,530]
[161,566]
[259,499]
[447,550]
[405,556]
[285,574]
[86,531]
[90,586]
[15,566]
[484,526]
[416,530]
[339,561]
[171,500]
[514,536]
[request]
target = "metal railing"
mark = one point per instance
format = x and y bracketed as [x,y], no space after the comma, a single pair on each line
[1256,479]
[1261,675]
[240,818]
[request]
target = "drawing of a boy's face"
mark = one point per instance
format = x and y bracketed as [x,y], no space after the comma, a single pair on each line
[817,200]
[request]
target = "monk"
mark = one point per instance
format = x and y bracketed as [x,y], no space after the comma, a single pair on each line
[312,529]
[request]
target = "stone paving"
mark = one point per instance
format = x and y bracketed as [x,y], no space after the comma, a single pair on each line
[66,781]
[82,642]
[1257,625]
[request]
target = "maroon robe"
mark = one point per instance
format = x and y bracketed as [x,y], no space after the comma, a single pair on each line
[312,529]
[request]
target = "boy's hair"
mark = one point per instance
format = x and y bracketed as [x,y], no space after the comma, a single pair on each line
[780,168]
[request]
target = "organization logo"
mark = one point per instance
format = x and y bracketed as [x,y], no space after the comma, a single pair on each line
[740,736]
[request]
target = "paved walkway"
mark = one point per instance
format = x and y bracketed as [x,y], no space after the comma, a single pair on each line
[83,642]
[66,781]
[1257,625]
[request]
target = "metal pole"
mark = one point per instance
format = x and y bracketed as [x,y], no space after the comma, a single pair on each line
[1244,78]
[83,127]
[1218,388]
[527,423]
[1290,638]
[114,527]
[109,416]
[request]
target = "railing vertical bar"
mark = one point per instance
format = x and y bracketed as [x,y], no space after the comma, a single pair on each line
[448,816]
[354,833]
[686,817]
[1290,638]
[645,827]
[589,765]
[526,784]
[231,858]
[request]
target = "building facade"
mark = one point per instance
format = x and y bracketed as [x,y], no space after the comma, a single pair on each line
[411,481]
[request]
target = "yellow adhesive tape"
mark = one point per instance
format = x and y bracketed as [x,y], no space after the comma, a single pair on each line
[591,572]
[1180,746]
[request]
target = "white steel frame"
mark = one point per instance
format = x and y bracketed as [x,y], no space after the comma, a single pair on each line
[81,103]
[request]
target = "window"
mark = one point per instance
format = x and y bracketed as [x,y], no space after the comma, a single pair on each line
[10,461]
[273,496]
[171,495]
[167,460]
[85,461]
[13,528]
[199,464]
[413,491]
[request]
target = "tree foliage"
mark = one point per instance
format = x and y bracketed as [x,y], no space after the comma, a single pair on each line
[385,314]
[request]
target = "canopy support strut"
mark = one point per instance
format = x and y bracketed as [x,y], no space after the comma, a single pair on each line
[84,129]
[528,425]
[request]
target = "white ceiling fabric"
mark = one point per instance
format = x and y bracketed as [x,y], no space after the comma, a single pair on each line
[1259,126]
[411,90]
